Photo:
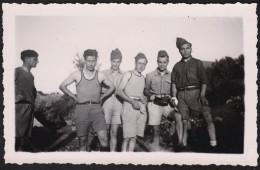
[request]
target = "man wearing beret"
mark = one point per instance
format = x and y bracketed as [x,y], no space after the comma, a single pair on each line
[25,94]
[113,105]
[134,116]
[158,89]
[88,111]
[189,86]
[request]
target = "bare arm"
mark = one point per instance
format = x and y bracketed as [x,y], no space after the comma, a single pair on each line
[203,99]
[69,80]
[174,90]
[148,87]
[174,94]
[111,88]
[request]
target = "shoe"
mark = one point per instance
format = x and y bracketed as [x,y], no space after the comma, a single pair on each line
[186,149]
[179,148]
[213,143]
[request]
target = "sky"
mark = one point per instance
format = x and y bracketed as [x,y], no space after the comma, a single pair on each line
[58,39]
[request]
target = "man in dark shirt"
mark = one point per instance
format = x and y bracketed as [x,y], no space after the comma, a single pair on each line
[190,81]
[25,94]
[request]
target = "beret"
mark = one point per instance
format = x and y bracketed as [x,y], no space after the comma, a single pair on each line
[180,42]
[140,56]
[90,52]
[115,54]
[28,53]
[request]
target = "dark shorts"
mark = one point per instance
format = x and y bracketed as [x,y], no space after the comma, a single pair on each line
[89,115]
[189,103]
[23,120]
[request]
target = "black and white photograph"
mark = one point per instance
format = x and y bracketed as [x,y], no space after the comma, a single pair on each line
[139,84]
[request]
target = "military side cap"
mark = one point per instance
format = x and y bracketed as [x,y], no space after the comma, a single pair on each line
[180,42]
[140,56]
[28,53]
[115,54]
[162,53]
[90,52]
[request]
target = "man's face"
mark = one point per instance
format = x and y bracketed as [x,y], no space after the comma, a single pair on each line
[140,65]
[185,50]
[32,61]
[90,62]
[162,63]
[115,64]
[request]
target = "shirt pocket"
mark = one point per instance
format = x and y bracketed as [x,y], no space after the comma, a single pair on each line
[155,83]
[167,86]
[192,74]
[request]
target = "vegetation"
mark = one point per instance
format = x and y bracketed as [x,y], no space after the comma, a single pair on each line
[226,80]
[52,109]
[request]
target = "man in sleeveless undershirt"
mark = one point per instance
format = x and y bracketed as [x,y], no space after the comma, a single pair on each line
[134,114]
[88,111]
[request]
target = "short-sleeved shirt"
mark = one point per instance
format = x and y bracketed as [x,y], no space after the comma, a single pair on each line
[24,86]
[114,76]
[157,83]
[190,73]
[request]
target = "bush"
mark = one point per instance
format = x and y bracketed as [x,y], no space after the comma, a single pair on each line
[226,79]
[52,108]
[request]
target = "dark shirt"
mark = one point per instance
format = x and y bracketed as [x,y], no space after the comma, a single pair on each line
[24,86]
[156,83]
[190,73]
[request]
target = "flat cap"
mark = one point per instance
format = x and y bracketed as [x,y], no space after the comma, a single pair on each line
[28,53]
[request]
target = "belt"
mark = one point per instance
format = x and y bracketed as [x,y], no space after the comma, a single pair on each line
[89,102]
[188,88]
[136,98]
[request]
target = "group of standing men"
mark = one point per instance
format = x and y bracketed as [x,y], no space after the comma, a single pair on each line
[109,98]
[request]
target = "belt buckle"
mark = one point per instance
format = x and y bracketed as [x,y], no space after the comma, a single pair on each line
[90,102]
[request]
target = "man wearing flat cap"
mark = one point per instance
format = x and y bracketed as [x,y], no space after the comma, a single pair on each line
[158,89]
[88,111]
[113,105]
[25,95]
[134,116]
[189,86]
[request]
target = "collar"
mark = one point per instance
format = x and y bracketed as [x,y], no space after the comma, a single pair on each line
[118,71]
[158,72]
[182,60]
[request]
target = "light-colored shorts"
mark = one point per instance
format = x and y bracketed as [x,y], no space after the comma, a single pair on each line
[156,112]
[89,116]
[134,121]
[113,109]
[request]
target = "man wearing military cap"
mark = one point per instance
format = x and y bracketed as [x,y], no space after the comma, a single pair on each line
[134,116]
[25,95]
[190,81]
[158,90]
[113,105]
[88,111]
